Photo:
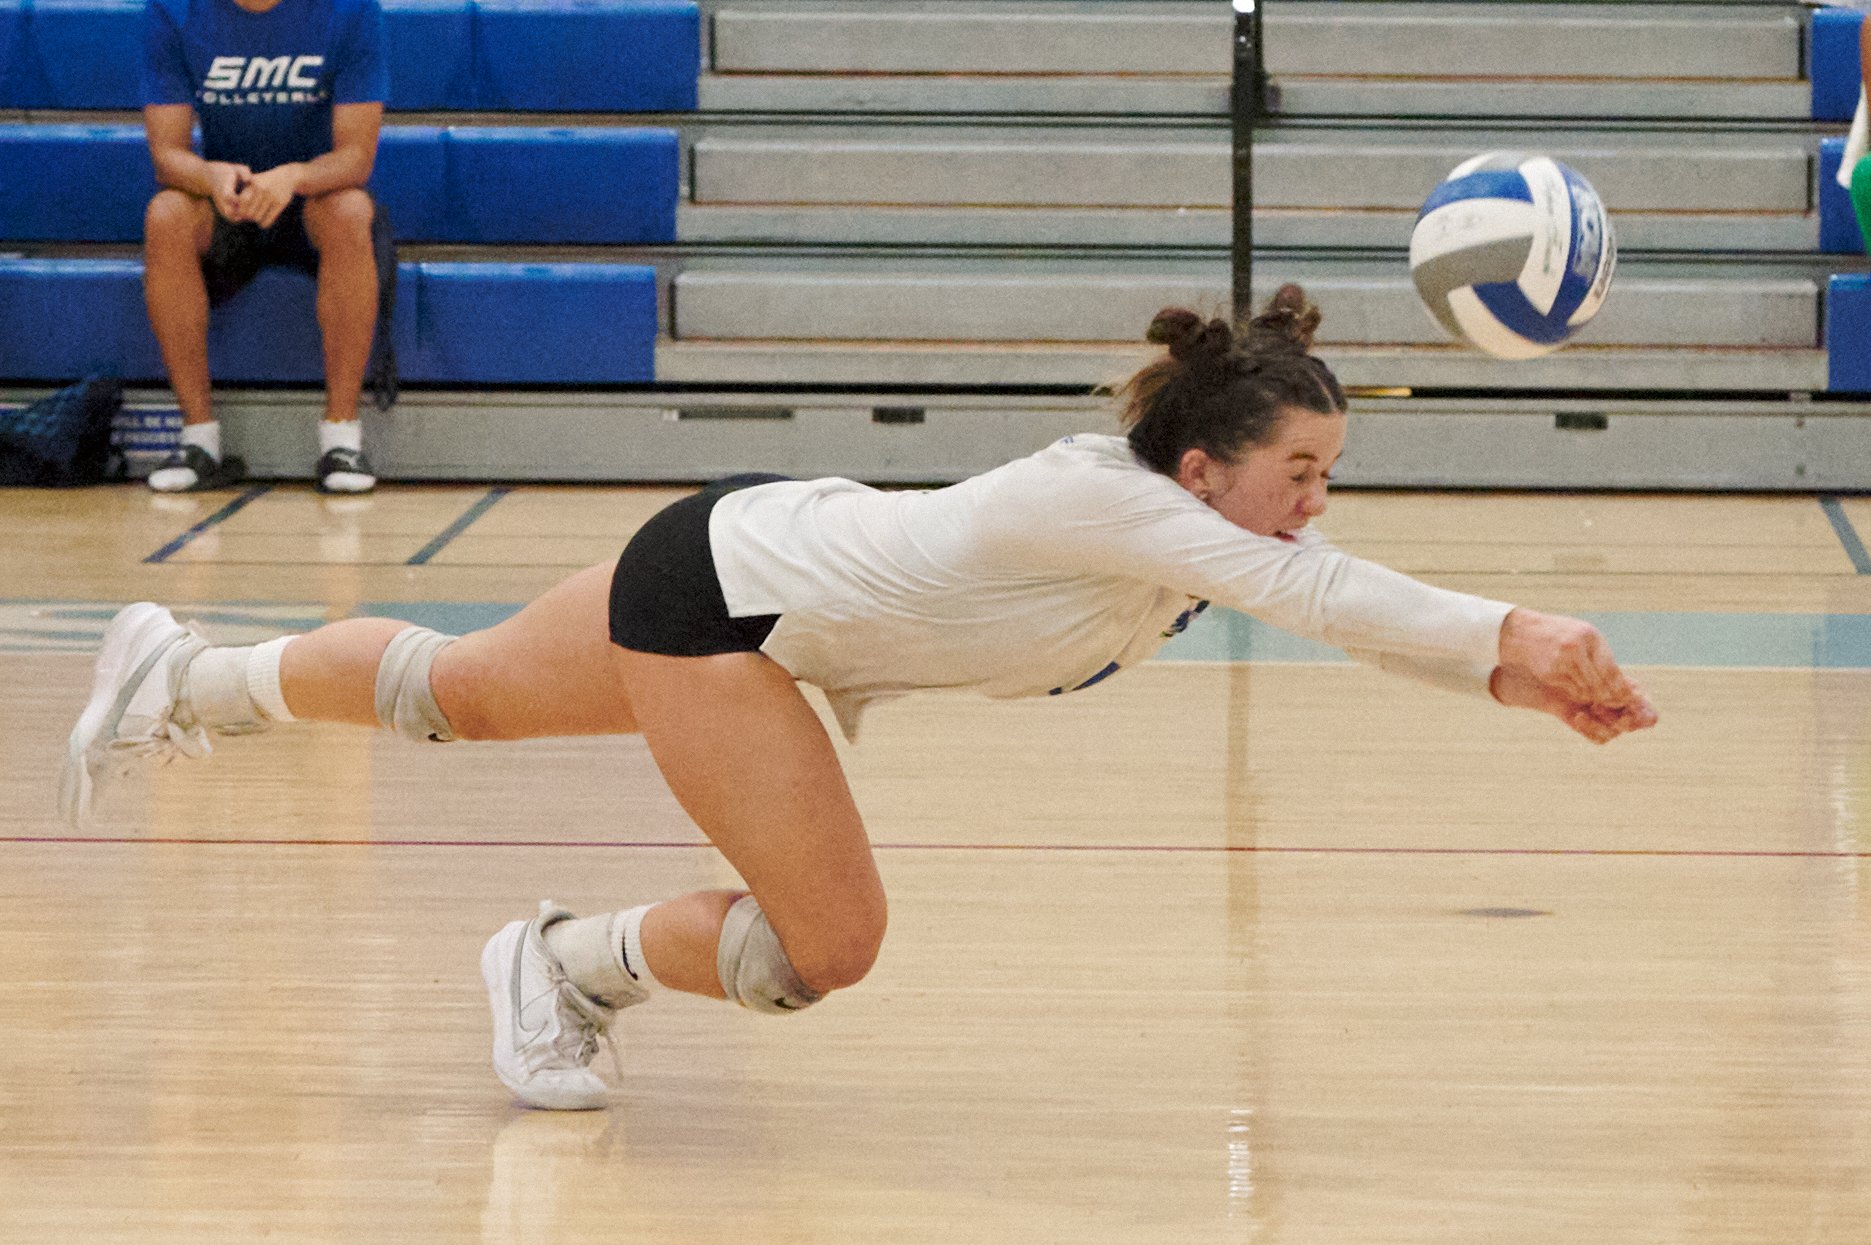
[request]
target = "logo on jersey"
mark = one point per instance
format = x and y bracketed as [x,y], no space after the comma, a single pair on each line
[1184,619]
[264,80]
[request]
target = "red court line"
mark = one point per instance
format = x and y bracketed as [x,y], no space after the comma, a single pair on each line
[1133,848]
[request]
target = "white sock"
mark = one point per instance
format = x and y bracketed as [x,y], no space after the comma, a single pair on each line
[602,956]
[630,947]
[263,679]
[340,435]
[235,688]
[205,436]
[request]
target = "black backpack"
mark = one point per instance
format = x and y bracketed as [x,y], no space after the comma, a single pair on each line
[63,440]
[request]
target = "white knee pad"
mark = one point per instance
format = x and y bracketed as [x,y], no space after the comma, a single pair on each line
[405,702]
[753,966]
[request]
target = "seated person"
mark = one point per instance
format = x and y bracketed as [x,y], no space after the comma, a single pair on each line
[289,95]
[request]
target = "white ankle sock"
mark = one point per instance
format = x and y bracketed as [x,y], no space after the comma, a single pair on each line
[630,947]
[603,956]
[236,687]
[340,435]
[263,679]
[206,436]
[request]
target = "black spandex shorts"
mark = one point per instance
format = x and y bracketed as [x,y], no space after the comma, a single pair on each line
[665,595]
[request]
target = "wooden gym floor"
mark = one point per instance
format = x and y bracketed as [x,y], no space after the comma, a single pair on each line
[1274,950]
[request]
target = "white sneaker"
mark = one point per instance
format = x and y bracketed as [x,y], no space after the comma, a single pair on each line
[546,1030]
[130,717]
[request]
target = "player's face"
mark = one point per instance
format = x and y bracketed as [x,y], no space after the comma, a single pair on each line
[1277,488]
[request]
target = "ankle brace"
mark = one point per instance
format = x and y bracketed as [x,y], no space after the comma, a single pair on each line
[235,691]
[596,952]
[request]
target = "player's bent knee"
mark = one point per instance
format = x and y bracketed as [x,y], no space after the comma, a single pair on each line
[170,216]
[759,973]
[349,211]
[756,972]
[405,700]
[846,956]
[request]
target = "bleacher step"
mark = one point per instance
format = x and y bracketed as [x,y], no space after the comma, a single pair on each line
[1057,365]
[1294,167]
[1340,38]
[1695,102]
[705,224]
[1013,299]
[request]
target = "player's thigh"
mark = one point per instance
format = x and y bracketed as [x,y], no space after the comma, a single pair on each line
[751,762]
[545,671]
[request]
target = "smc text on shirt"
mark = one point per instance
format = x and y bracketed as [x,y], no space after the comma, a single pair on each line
[264,84]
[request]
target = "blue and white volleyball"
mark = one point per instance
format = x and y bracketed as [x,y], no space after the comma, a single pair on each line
[1513,254]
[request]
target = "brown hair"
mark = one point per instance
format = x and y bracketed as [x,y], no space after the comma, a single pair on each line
[1220,393]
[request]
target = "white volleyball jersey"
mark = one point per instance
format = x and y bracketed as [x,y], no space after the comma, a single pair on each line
[1048,575]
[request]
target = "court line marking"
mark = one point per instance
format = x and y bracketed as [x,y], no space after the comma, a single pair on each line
[1667,853]
[220,516]
[1847,534]
[446,535]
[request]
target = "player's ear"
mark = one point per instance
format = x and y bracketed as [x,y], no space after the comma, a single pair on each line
[1195,472]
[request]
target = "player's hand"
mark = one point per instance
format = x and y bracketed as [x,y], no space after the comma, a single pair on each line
[1564,655]
[1597,722]
[225,182]
[267,194]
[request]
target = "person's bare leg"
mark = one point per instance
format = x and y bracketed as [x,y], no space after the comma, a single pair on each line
[177,229]
[545,671]
[338,225]
[750,761]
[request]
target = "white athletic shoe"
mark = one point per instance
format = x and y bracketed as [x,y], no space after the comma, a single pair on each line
[130,717]
[546,1030]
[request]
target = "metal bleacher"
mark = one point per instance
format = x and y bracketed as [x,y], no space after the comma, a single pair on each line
[1025,182]
[910,238]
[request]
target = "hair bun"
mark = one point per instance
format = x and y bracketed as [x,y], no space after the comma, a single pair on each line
[1190,338]
[1287,325]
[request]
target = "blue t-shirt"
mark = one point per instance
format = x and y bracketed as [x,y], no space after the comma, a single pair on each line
[263,84]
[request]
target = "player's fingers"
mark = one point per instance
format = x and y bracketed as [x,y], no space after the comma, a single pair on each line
[1600,670]
[1585,724]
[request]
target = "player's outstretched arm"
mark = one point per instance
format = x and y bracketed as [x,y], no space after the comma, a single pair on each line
[1564,667]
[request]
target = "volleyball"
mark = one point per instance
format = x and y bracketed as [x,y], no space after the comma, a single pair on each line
[1513,254]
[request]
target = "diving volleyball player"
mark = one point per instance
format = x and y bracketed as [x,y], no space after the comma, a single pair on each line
[1041,577]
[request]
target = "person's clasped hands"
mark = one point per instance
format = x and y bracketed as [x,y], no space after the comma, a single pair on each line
[1563,667]
[243,196]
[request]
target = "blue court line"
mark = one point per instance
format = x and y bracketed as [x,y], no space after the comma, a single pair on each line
[479,508]
[1848,535]
[220,516]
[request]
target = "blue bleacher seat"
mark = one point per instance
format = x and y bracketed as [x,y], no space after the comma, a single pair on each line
[89,183]
[592,56]
[67,318]
[457,323]
[586,185]
[1848,333]
[1835,65]
[1838,220]
[411,169]
[71,53]
[597,185]
[550,324]
[515,55]
[13,63]
[429,45]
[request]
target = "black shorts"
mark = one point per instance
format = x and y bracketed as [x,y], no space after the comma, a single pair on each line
[665,595]
[238,251]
